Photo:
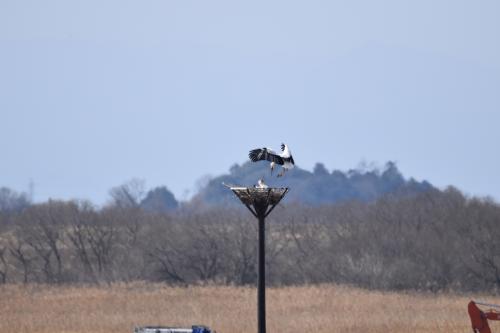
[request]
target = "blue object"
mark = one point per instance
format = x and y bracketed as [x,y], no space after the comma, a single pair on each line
[201,329]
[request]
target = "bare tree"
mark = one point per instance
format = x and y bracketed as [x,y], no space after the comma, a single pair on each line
[482,250]
[129,194]
[41,228]
[77,238]
[22,257]
[4,268]
[242,250]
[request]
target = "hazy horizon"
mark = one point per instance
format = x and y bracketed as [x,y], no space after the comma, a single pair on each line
[94,94]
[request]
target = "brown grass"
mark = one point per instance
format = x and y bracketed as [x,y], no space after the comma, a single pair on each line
[325,308]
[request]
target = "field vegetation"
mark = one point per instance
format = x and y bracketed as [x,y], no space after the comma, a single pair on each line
[118,308]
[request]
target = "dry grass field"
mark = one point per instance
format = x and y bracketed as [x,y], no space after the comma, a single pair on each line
[319,309]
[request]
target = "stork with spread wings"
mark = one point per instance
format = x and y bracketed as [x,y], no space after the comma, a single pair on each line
[285,158]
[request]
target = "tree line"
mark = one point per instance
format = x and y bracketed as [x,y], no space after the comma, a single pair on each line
[434,240]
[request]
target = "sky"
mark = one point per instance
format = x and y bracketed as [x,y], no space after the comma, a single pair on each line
[95,93]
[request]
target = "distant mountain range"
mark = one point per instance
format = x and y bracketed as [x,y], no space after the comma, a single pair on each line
[317,187]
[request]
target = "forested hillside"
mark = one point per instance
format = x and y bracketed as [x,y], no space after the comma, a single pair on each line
[317,187]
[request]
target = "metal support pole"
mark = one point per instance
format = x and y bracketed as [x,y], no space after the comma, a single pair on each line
[260,202]
[261,292]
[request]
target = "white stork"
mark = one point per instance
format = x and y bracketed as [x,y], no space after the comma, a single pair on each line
[284,159]
[261,184]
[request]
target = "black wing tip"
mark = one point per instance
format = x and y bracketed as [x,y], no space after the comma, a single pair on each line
[254,155]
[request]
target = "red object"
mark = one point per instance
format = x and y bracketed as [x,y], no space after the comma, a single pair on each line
[479,319]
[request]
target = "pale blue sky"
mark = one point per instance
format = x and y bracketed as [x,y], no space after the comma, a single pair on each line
[94,93]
